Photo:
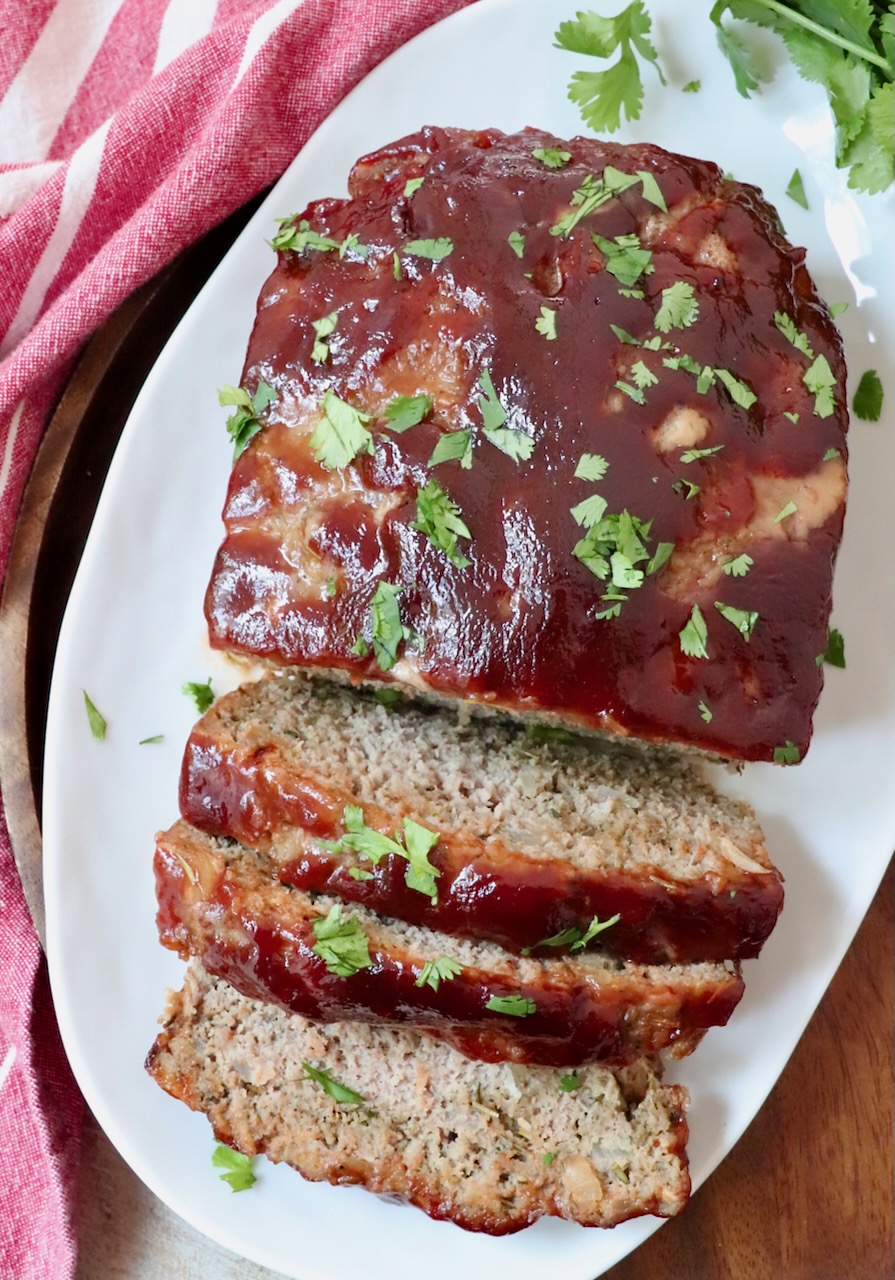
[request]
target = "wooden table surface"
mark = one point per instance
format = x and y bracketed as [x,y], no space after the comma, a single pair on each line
[807,1194]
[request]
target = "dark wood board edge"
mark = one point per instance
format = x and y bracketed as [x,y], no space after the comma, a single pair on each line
[57,510]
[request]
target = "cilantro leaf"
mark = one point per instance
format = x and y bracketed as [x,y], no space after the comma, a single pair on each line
[552,157]
[819,380]
[679,307]
[515,444]
[388,631]
[693,455]
[743,620]
[412,185]
[516,241]
[705,712]
[238,1168]
[785,512]
[201,694]
[403,412]
[591,466]
[453,446]
[338,1092]
[694,635]
[787,754]
[548,1157]
[564,938]
[145,742]
[341,943]
[692,86]
[626,259]
[569,1083]
[603,95]
[421,874]
[245,422]
[633,393]
[830,455]
[834,654]
[95,719]
[740,392]
[434,972]
[868,399]
[440,519]
[298,236]
[517,1006]
[435,250]
[595,927]
[340,435]
[323,328]
[642,375]
[546,324]
[796,190]
[793,334]
[686,487]
[738,566]
[747,75]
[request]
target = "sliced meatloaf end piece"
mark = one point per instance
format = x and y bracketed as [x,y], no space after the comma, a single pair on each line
[222,903]
[488,1147]
[574,444]
[535,838]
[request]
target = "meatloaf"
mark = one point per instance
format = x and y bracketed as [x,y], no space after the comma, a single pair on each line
[223,903]
[491,1148]
[551,427]
[535,837]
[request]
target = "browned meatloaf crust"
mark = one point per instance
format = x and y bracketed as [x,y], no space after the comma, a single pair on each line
[488,1147]
[223,904]
[674,371]
[535,838]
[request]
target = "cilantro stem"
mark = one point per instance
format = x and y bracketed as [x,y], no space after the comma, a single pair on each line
[817,28]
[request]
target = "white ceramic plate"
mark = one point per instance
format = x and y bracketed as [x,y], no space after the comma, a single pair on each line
[133,633]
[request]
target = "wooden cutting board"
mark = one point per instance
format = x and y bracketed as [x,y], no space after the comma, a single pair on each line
[807,1194]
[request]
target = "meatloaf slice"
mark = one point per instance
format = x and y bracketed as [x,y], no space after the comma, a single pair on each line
[222,903]
[535,837]
[557,428]
[489,1147]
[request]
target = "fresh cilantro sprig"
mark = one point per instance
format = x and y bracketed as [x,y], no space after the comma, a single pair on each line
[440,519]
[868,399]
[201,694]
[418,843]
[517,1006]
[340,435]
[595,192]
[333,1088]
[434,972]
[299,236]
[404,412]
[834,654]
[849,48]
[246,421]
[237,1168]
[603,96]
[515,444]
[575,938]
[386,628]
[341,943]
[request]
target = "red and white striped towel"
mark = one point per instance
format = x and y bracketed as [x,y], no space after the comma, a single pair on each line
[127,128]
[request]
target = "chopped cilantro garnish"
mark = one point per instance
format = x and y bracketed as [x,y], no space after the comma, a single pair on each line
[819,380]
[299,236]
[692,86]
[238,1168]
[516,241]
[552,157]
[834,654]
[433,249]
[830,455]
[590,511]
[548,1157]
[837,308]
[546,324]
[642,375]
[403,412]
[740,392]
[360,873]
[595,927]
[569,1083]
[95,718]
[693,455]
[323,328]
[574,937]
[790,417]
[517,1006]
[744,620]
[341,943]
[245,422]
[340,435]
[331,588]
[613,548]
[694,635]
[338,1092]
[434,972]
[591,466]
[626,259]
[602,96]
[705,712]
[785,512]
[396,267]
[793,334]
[440,519]
[679,307]
[738,566]
[201,694]
[388,631]
[453,446]
[796,189]
[595,192]
[420,874]
[868,399]
[633,393]
[686,487]
[412,185]
[787,754]
[145,742]
[624,336]
[515,444]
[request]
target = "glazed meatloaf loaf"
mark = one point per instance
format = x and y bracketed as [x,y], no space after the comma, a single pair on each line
[224,904]
[551,427]
[491,1148]
[533,836]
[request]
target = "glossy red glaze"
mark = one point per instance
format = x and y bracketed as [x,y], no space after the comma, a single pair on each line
[267,955]
[518,627]
[483,892]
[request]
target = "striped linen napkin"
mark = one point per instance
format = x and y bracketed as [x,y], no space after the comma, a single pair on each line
[127,128]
